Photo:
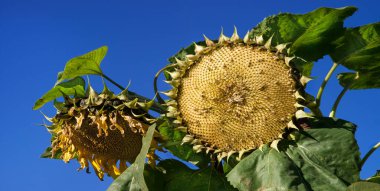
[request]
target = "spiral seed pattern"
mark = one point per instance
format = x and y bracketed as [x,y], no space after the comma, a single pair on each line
[237,97]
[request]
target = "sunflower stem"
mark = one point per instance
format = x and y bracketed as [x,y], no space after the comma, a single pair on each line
[369,153]
[316,111]
[155,107]
[113,82]
[337,101]
[324,83]
[159,98]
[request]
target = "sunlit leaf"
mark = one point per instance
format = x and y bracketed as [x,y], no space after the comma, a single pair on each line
[230,164]
[331,142]
[310,34]
[72,87]
[359,48]
[49,154]
[133,177]
[324,157]
[267,170]
[83,65]
[360,80]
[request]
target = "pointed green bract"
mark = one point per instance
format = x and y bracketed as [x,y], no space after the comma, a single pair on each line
[83,65]
[183,52]
[72,87]
[48,154]
[173,138]
[60,106]
[303,66]
[133,177]
[375,178]
[310,34]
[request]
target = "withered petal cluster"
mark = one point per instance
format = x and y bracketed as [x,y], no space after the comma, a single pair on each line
[103,130]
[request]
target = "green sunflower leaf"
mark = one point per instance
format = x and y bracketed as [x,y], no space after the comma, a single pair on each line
[133,177]
[310,35]
[173,139]
[179,177]
[88,63]
[358,49]
[324,157]
[267,170]
[360,80]
[331,144]
[72,87]
[363,186]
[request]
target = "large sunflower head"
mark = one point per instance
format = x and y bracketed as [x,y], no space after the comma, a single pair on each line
[235,95]
[102,130]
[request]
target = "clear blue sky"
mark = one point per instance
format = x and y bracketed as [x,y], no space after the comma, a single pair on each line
[38,37]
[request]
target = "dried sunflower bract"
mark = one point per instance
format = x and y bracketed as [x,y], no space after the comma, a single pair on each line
[103,130]
[235,95]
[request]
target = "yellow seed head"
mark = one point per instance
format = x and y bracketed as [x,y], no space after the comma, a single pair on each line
[235,96]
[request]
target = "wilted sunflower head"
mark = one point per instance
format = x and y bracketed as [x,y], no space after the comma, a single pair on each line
[102,130]
[234,95]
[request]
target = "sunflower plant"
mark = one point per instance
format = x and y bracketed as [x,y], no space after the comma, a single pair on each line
[238,109]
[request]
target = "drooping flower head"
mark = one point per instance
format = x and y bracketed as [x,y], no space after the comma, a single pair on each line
[102,130]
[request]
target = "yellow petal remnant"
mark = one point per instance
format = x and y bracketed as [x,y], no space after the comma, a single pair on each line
[106,134]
